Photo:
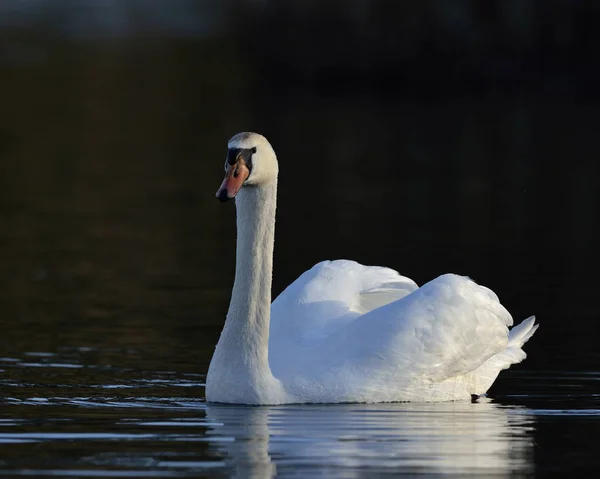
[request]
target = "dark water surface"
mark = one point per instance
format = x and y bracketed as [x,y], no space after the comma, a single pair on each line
[89,412]
[116,260]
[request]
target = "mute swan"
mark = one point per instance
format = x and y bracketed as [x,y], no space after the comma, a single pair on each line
[344,332]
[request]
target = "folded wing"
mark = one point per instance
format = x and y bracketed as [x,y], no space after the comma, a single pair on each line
[419,347]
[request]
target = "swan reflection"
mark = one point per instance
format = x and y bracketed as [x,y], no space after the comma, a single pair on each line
[359,440]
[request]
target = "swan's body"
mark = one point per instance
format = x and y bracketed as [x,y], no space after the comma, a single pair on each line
[343,332]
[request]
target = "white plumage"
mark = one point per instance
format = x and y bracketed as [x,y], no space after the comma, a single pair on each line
[344,332]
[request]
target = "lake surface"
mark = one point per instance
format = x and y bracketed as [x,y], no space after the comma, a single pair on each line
[88,412]
[116,260]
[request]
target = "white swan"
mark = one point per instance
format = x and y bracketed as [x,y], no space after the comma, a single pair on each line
[344,332]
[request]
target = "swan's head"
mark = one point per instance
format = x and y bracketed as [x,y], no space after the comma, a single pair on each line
[250,161]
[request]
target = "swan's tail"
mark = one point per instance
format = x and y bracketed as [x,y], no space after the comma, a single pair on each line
[517,337]
[483,377]
[521,333]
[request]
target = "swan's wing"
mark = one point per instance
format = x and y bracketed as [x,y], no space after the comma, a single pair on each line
[385,293]
[330,295]
[445,329]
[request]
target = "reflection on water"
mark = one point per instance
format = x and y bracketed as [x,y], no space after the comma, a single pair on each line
[455,438]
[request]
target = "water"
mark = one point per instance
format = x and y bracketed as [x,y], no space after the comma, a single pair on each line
[117,260]
[85,412]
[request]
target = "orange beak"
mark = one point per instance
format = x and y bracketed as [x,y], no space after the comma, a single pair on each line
[235,176]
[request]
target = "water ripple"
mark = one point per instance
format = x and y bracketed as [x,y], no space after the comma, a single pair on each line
[155,423]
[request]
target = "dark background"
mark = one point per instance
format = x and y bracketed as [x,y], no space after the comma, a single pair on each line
[430,137]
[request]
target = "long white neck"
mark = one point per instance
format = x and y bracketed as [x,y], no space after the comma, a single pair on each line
[239,370]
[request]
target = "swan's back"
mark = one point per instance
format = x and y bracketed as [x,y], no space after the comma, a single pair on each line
[447,340]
